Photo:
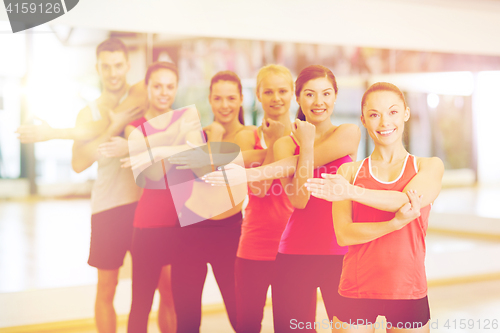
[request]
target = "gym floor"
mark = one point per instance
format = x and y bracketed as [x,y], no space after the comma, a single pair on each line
[44,246]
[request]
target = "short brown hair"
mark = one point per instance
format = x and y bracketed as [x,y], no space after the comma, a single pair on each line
[112,45]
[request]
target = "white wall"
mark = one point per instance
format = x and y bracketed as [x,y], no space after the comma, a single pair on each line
[458,26]
[486,122]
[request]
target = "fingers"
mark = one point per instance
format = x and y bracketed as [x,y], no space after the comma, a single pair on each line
[319,195]
[317,188]
[104,145]
[315,181]
[405,208]
[330,176]
[414,198]
[125,162]
[216,178]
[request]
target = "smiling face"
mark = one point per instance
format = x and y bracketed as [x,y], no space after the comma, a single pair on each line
[112,68]
[384,116]
[317,99]
[226,100]
[162,87]
[275,93]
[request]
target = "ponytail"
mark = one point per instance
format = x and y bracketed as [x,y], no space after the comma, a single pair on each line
[241,116]
[300,114]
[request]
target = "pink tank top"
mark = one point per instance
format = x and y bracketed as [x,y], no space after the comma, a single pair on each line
[156,207]
[264,222]
[392,266]
[310,230]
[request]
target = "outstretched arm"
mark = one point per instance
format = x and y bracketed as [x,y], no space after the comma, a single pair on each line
[131,108]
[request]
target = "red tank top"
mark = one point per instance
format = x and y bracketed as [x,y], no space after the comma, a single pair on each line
[310,230]
[156,206]
[264,222]
[392,266]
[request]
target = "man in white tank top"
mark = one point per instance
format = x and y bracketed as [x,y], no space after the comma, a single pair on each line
[114,194]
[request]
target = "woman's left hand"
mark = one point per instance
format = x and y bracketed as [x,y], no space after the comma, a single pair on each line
[330,187]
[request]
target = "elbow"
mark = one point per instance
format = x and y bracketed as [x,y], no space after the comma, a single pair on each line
[341,239]
[76,167]
[299,206]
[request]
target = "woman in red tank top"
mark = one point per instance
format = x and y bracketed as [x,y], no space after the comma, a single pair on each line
[155,215]
[268,206]
[378,214]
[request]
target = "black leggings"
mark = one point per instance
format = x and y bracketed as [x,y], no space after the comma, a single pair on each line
[253,278]
[295,288]
[150,252]
[216,243]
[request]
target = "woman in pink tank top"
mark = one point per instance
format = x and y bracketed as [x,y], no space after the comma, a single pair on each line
[379,215]
[309,256]
[155,216]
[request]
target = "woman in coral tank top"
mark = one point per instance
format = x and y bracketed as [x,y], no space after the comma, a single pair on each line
[379,215]
[268,207]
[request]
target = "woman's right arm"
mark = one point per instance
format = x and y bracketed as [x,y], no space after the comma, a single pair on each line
[284,148]
[350,233]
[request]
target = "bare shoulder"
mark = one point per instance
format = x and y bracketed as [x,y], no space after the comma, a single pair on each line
[347,129]
[430,163]
[245,139]
[284,141]
[245,135]
[249,128]
[347,133]
[348,170]
[138,89]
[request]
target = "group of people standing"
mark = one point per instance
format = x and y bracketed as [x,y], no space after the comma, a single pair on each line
[316,217]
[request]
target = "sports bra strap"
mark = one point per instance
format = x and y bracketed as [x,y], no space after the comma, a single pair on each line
[256,135]
[294,141]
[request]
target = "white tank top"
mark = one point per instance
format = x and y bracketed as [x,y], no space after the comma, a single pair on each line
[114,185]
